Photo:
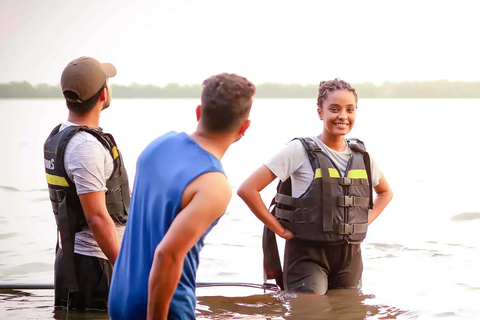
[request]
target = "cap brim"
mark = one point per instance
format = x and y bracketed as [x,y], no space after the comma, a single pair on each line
[110,70]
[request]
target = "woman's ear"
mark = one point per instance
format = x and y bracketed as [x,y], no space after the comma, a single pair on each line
[319,111]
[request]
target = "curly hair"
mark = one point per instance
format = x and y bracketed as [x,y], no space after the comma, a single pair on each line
[332,85]
[226,102]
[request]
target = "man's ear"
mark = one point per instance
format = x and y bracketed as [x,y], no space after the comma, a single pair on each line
[245,125]
[103,94]
[198,112]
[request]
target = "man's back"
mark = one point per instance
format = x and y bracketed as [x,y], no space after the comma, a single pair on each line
[164,169]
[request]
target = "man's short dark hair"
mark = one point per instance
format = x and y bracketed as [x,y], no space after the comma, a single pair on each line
[81,107]
[226,102]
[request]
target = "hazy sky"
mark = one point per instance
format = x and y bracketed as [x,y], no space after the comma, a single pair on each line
[297,41]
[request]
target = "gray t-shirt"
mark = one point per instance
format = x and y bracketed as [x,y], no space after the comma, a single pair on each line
[88,164]
[292,161]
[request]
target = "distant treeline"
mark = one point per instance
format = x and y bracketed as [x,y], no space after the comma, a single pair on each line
[407,89]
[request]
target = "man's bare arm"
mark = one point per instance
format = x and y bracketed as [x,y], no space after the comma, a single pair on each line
[101,224]
[203,201]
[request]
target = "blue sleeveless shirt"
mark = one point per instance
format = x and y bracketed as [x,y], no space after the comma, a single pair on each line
[164,169]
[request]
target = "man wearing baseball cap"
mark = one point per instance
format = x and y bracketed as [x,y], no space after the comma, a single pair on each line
[88,187]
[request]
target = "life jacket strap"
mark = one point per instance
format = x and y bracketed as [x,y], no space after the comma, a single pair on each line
[358,146]
[66,227]
[125,187]
[271,259]
[306,216]
[326,195]
[349,201]
[296,202]
[348,229]
[344,228]
[311,144]
[344,181]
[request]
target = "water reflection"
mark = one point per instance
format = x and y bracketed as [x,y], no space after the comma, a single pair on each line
[220,307]
[78,315]
[337,304]
[19,304]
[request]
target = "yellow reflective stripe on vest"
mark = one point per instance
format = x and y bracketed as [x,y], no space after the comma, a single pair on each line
[115,152]
[332,171]
[57,180]
[357,174]
[354,174]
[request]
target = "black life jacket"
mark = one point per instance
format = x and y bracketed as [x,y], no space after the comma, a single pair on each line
[66,204]
[333,209]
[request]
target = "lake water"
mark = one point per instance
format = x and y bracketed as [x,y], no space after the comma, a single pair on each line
[421,256]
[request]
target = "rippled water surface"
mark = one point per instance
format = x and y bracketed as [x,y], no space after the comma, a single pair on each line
[421,256]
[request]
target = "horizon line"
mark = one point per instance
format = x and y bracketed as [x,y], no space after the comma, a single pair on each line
[257,84]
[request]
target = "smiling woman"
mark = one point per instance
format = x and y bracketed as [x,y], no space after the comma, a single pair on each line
[324,199]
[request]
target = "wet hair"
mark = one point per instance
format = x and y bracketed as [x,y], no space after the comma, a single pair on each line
[226,102]
[333,85]
[82,107]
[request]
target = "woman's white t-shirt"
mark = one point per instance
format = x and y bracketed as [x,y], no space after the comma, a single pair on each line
[292,161]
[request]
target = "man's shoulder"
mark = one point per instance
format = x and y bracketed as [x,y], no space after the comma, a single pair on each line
[171,136]
[217,178]
[165,141]
[212,185]
[83,144]
[81,137]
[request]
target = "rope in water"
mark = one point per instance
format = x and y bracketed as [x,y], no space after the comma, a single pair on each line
[47,286]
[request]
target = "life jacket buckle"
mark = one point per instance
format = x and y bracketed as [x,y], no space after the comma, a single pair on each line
[313,146]
[346,228]
[346,201]
[344,181]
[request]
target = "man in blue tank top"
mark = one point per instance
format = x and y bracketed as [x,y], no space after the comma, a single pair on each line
[180,192]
